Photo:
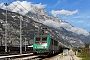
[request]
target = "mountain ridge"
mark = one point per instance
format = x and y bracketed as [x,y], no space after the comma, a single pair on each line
[30,28]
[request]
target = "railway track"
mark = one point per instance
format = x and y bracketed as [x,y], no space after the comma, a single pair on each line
[25,58]
[21,57]
[29,56]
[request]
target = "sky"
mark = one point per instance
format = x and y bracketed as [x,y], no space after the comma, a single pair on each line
[76,12]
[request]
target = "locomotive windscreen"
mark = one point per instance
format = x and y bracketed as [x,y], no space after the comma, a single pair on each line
[37,39]
[44,38]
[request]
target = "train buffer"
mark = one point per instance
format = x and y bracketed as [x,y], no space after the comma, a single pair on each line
[11,56]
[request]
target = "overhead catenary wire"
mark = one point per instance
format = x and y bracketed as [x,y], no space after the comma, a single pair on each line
[17,6]
[20,23]
[22,6]
[14,5]
[20,30]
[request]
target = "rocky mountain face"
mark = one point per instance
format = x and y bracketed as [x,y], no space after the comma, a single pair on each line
[40,16]
[30,26]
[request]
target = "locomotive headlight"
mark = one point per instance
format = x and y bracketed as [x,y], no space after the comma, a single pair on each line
[44,44]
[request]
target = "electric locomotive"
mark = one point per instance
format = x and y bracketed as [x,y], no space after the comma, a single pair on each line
[45,44]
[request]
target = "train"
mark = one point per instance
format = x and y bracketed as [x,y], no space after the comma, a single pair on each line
[15,49]
[44,44]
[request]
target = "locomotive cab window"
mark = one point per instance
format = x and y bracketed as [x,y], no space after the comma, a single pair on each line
[37,39]
[44,38]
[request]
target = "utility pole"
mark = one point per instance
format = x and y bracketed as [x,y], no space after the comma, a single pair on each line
[6,29]
[25,44]
[21,34]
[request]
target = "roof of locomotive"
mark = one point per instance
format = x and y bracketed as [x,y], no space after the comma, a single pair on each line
[41,35]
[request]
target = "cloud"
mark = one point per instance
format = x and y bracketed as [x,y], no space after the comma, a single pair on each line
[40,6]
[87,25]
[80,21]
[78,31]
[23,7]
[67,26]
[2,6]
[57,3]
[51,23]
[63,12]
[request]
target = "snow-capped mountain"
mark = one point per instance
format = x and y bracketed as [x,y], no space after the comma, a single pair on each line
[30,28]
[39,14]
[35,16]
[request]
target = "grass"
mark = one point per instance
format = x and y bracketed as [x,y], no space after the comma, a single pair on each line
[85,54]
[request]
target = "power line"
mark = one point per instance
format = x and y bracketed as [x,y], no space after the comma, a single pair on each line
[20,30]
[22,6]
[20,25]
[19,4]
[18,7]
[13,4]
